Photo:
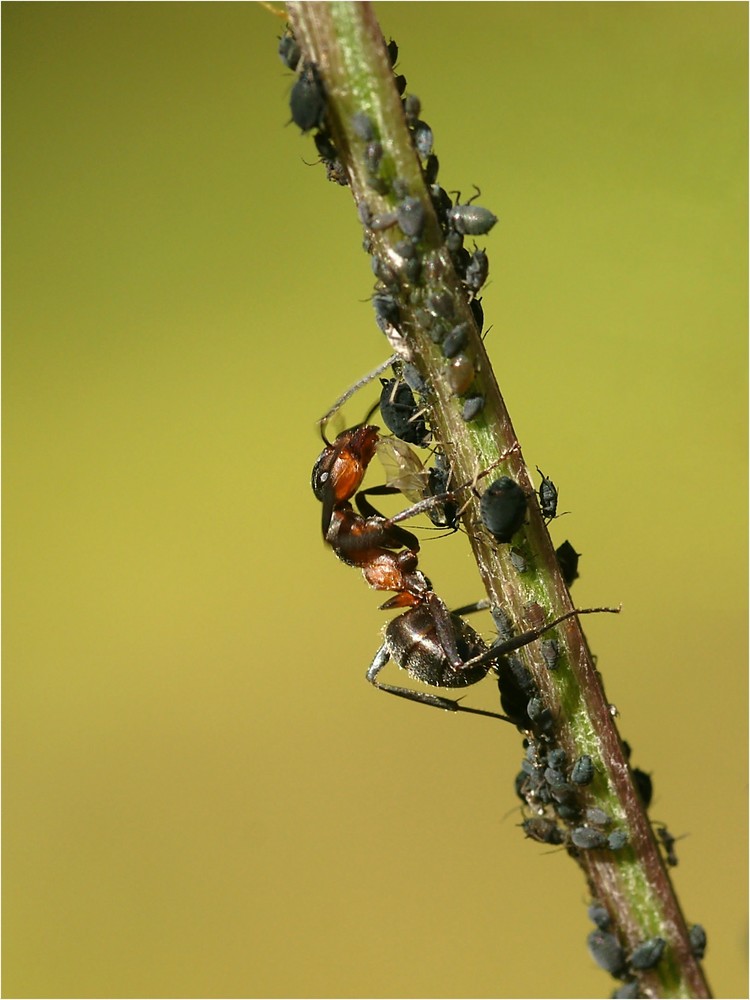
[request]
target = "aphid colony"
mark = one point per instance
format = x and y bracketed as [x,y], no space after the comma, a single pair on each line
[433,644]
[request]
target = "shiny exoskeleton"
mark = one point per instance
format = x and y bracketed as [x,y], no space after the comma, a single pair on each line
[547,497]
[503,508]
[401,413]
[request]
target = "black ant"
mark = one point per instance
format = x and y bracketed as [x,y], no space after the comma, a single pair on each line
[428,641]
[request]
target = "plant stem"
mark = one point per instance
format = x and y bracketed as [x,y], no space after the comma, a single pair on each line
[345,43]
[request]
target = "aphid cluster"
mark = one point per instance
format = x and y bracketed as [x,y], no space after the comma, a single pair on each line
[430,642]
[307,104]
[407,271]
[434,645]
[553,793]
[627,964]
[610,955]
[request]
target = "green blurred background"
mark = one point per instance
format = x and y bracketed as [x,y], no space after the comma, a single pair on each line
[202,795]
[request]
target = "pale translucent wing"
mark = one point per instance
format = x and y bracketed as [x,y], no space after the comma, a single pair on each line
[403,467]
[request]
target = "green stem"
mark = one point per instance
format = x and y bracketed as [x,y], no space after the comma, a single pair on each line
[344,41]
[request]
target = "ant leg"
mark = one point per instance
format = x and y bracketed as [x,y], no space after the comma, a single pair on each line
[500,618]
[485,472]
[375,491]
[382,657]
[470,609]
[425,505]
[366,509]
[380,531]
[516,642]
[350,392]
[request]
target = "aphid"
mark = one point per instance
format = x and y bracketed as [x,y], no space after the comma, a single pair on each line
[411,373]
[547,497]
[641,779]
[503,508]
[459,374]
[460,256]
[430,169]
[324,145]
[392,49]
[470,220]
[567,557]
[307,99]
[442,204]
[606,951]
[387,312]
[440,304]
[443,515]
[698,940]
[364,129]
[644,785]
[454,242]
[597,817]
[503,624]
[599,916]
[410,216]
[373,159]
[524,786]
[401,413]
[383,271]
[545,831]
[617,840]
[519,563]
[289,51]
[412,108]
[335,170]
[476,271]
[550,652]
[363,126]
[517,689]
[588,839]
[648,954]
[583,771]
[568,811]
[476,308]
[556,758]
[422,137]
[539,716]
[455,341]
[472,407]
[668,842]
[554,778]
[405,249]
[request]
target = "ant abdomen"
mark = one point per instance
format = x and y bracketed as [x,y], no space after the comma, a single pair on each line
[414,645]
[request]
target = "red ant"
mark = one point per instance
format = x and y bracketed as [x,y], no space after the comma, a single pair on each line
[431,643]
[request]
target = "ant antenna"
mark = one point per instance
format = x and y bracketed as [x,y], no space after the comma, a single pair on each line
[322,423]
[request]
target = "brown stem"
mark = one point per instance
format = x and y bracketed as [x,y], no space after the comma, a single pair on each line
[344,41]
